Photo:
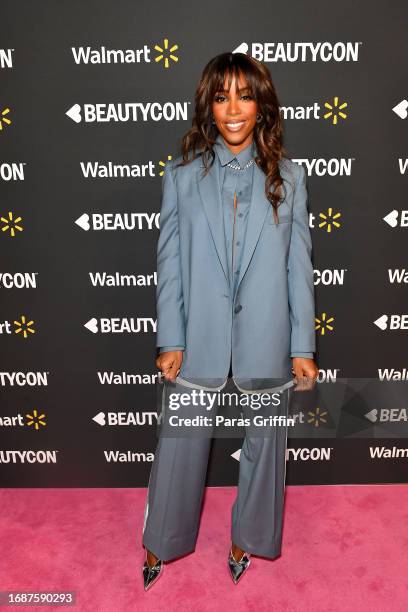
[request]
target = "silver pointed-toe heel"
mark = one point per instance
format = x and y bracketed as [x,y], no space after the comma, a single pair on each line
[238,568]
[151,574]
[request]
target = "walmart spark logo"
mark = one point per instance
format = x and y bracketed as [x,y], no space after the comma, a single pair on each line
[166,54]
[36,420]
[11,224]
[4,119]
[329,220]
[163,165]
[24,327]
[324,323]
[335,110]
[317,417]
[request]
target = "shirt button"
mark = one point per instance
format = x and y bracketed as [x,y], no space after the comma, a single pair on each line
[238,242]
[239,192]
[239,214]
[237,308]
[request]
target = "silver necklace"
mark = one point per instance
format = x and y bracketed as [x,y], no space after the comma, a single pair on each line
[238,167]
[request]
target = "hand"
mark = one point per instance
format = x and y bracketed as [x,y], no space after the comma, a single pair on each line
[169,363]
[306,373]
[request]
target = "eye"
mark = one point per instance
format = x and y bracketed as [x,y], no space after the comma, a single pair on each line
[221,98]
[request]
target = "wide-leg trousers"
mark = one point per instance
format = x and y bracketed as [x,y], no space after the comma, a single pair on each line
[176,487]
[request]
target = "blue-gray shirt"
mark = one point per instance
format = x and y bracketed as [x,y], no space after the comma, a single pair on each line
[238,181]
[232,181]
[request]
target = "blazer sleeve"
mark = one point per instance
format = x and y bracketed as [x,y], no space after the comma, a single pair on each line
[165,349]
[170,329]
[300,275]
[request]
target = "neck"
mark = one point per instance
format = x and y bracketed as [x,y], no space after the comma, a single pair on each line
[237,148]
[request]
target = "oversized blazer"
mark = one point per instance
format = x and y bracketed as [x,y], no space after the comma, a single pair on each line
[273,314]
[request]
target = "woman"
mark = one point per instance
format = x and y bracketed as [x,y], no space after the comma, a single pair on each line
[235,297]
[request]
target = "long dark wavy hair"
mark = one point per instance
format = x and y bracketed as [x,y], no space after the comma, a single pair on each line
[268,133]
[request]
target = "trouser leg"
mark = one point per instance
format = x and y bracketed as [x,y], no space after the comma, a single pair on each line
[174,497]
[257,513]
[176,487]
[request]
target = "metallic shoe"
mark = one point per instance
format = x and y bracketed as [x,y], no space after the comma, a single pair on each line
[151,574]
[238,568]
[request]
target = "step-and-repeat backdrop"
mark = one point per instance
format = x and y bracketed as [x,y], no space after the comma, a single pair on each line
[94,99]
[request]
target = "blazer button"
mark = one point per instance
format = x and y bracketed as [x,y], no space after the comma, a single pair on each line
[237,308]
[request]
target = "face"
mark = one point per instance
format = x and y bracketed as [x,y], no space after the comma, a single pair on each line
[235,114]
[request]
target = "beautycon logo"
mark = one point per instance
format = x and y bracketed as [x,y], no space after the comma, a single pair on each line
[327,167]
[124,112]
[302,51]
[392,322]
[6,58]
[24,379]
[125,418]
[118,221]
[330,277]
[397,218]
[28,456]
[18,280]
[121,325]
[13,171]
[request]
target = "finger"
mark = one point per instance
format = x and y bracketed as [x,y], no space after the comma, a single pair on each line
[300,379]
[172,371]
[305,382]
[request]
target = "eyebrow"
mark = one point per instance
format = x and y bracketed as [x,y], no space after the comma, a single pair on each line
[239,89]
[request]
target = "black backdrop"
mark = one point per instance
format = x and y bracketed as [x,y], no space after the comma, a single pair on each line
[61,134]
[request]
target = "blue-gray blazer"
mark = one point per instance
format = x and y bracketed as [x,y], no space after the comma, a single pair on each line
[273,314]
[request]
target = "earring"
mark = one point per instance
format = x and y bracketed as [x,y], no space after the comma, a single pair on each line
[258,118]
[213,120]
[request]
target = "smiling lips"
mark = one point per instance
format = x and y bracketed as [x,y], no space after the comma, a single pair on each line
[234,126]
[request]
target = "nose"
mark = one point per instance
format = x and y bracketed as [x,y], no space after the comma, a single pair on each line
[233,107]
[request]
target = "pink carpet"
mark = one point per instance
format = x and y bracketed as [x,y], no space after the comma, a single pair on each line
[344,548]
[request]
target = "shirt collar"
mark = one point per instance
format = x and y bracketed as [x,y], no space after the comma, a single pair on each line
[225,155]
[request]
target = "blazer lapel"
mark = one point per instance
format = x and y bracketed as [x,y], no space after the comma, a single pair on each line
[208,187]
[256,217]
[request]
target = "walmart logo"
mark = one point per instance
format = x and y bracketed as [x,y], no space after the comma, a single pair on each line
[166,53]
[335,111]
[35,420]
[4,119]
[11,224]
[316,110]
[162,164]
[24,327]
[317,417]
[324,324]
[330,220]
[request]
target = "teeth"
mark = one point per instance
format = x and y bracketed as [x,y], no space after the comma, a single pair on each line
[235,124]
